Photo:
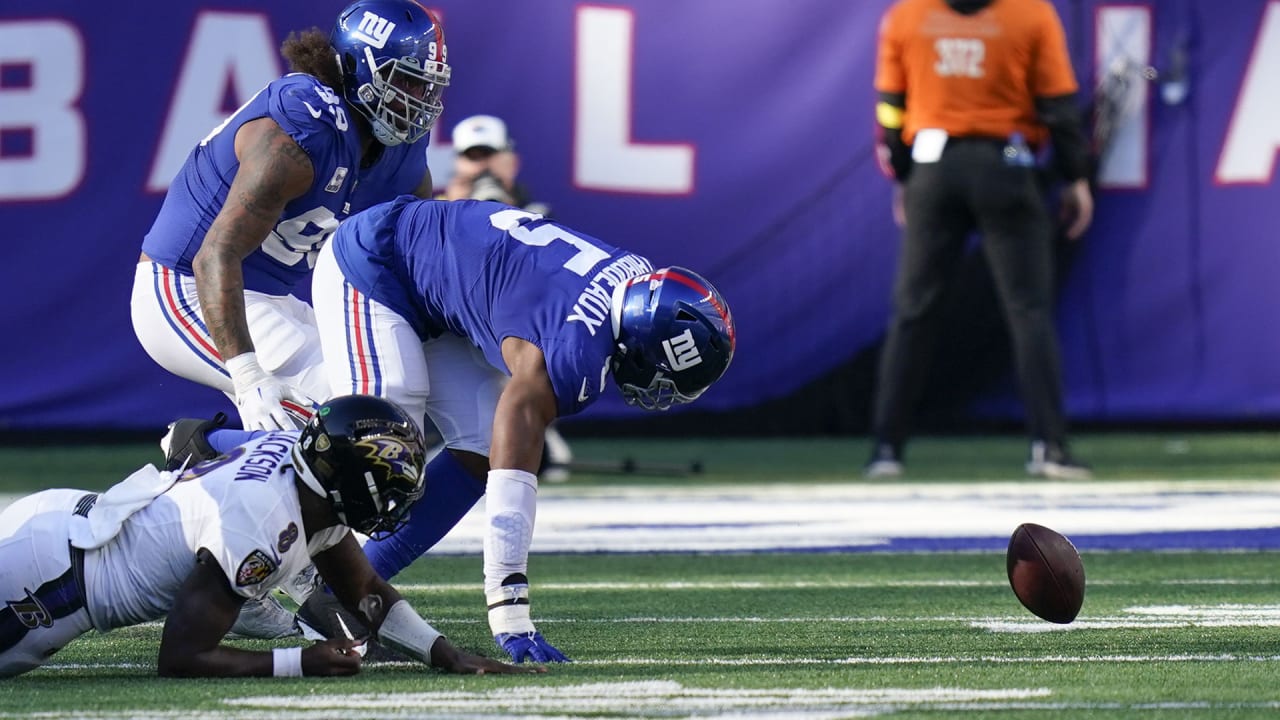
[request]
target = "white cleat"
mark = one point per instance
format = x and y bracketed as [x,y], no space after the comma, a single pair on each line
[265,619]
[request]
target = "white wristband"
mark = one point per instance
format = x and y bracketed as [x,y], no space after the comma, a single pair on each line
[245,370]
[286,662]
[509,610]
[242,363]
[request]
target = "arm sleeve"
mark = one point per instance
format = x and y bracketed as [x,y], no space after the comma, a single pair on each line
[1051,72]
[1070,148]
[224,440]
[889,110]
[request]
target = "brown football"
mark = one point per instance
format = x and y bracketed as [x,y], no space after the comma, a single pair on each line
[1046,573]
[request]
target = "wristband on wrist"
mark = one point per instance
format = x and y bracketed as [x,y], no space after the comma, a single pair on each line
[509,609]
[286,662]
[242,363]
[245,371]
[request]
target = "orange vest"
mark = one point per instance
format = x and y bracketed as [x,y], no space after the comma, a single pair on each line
[973,75]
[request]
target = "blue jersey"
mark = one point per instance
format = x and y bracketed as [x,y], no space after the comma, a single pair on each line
[488,271]
[317,119]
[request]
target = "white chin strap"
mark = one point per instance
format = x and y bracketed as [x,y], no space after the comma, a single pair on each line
[384,134]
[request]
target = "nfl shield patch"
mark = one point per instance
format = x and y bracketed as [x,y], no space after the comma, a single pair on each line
[255,568]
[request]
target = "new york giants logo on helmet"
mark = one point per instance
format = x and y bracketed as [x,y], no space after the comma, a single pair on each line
[392,57]
[675,337]
[374,30]
[682,351]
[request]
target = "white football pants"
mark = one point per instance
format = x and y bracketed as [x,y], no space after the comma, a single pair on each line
[370,349]
[169,324]
[43,600]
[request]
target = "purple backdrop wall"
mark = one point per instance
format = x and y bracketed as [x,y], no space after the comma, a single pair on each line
[734,138]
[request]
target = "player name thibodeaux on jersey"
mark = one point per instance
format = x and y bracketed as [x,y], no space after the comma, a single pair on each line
[592,308]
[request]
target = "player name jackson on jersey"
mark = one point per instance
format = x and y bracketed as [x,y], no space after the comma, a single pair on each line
[242,507]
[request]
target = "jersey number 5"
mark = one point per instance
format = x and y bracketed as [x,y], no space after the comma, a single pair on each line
[513,222]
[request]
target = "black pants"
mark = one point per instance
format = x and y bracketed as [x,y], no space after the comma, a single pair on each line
[972,188]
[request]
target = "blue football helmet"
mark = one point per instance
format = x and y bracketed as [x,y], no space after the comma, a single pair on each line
[675,337]
[366,457]
[391,54]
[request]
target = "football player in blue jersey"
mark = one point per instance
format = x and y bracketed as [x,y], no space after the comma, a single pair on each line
[258,197]
[493,322]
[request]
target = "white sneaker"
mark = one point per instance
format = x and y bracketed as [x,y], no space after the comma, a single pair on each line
[1055,463]
[885,462]
[883,469]
[265,619]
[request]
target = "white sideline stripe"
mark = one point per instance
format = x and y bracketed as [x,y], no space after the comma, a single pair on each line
[701,713]
[758,661]
[817,516]
[713,585]
[805,584]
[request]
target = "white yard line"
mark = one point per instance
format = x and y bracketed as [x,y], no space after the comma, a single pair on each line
[719,518]
[655,699]
[824,584]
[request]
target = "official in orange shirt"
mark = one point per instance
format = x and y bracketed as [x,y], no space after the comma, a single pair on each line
[969,94]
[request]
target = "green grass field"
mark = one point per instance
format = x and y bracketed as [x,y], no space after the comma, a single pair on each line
[826,635]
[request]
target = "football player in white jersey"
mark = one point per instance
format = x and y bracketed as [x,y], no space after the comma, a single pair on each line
[196,544]
[214,289]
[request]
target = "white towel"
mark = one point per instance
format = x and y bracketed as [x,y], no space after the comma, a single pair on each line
[116,505]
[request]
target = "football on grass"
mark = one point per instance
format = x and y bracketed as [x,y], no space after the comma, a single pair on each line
[1046,573]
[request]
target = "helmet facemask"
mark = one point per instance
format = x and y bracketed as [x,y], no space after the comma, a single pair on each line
[393,61]
[404,99]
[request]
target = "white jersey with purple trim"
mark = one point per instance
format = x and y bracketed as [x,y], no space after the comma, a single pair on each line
[242,507]
[487,271]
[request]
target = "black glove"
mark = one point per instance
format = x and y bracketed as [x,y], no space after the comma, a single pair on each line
[187,441]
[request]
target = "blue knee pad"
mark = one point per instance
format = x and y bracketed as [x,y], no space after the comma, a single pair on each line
[451,493]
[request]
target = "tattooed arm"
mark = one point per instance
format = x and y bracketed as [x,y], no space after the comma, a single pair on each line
[273,171]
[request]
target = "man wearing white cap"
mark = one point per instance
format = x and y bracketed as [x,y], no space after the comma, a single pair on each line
[486,165]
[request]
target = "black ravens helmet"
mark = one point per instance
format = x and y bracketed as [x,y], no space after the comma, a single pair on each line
[366,455]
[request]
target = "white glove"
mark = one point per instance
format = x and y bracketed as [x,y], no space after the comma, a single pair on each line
[264,402]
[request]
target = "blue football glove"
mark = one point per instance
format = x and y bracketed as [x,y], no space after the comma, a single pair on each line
[530,647]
